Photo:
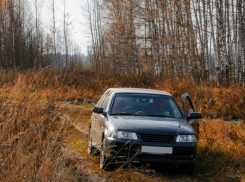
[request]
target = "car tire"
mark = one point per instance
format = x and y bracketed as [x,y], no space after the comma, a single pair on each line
[187,169]
[105,163]
[91,149]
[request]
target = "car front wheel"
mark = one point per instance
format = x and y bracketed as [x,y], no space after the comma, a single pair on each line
[105,163]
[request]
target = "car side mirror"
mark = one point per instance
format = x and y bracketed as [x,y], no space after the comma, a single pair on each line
[99,110]
[195,115]
[95,109]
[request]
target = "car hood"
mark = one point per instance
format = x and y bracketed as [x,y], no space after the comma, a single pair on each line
[152,125]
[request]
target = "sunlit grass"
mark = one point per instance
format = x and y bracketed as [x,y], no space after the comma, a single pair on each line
[33,112]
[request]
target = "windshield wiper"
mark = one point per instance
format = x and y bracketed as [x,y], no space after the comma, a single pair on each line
[164,116]
[124,114]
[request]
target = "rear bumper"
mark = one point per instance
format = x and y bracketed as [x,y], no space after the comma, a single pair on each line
[123,150]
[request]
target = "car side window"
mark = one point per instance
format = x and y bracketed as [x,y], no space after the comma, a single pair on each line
[174,109]
[106,101]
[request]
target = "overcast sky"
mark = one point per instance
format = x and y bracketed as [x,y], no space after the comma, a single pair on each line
[75,8]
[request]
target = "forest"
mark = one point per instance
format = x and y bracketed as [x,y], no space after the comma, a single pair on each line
[197,39]
[48,90]
[24,41]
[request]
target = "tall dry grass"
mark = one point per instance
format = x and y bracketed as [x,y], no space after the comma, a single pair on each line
[87,85]
[221,151]
[32,135]
[32,127]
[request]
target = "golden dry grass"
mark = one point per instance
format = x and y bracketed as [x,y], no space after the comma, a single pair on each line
[34,127]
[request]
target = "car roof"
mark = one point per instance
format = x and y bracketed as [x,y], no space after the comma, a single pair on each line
[139,91]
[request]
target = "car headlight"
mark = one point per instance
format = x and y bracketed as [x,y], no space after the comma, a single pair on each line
[124,135]
[186,138]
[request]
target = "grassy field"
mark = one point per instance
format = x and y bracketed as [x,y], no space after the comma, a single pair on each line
[38,111]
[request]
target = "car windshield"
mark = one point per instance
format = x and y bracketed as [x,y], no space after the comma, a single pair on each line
[145,105]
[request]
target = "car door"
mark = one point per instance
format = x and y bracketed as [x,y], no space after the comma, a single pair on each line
[95,125]
[102,119]
[188,108]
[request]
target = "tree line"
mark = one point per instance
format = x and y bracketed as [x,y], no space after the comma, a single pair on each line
[199,39]
[25,42]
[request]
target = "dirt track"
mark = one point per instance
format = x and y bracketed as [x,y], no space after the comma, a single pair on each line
[82,167]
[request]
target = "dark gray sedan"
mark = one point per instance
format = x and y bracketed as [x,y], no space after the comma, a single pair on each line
[143,125]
